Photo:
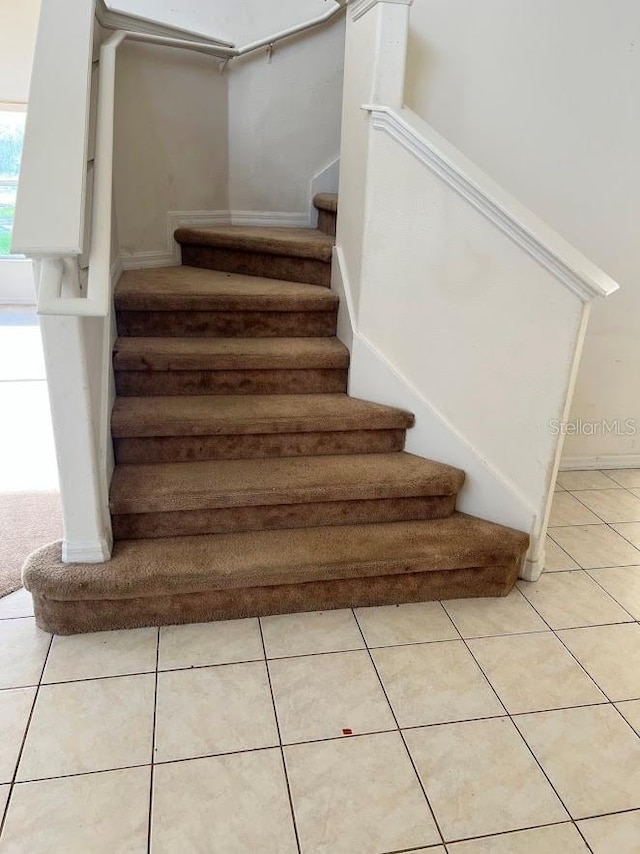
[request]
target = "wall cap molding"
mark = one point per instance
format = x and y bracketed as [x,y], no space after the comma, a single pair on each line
[606,461]
[361,7]
[541,242]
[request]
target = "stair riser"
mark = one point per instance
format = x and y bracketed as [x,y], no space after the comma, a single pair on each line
[327,222]
[166,449]
[222,324]
[149,383]
[236,519]
[306,270]
[91,615]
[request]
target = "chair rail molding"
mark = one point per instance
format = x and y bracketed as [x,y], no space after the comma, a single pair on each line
[541,242]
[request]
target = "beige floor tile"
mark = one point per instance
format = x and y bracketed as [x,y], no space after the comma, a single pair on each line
[631,711]
[567,510]
[623,583]
[419,622]
[89,726]
[226,642]
[15,605]
[358,796]
[214,710]
[558,488]
[305,634]
[98,813]
[629,478]
[630,531]
[595,546]
[15,708]
[23,650]
[556,559]
[227,804]
[319,696]
[101,654]
[613,834]
[611,656]
[572,480]
[534,672]
[571,599]
[480,778]
[506,615]
[555,839]
[611,505]
[435,683]
[591,756]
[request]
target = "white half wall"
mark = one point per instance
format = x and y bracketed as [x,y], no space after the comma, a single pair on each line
[544,97]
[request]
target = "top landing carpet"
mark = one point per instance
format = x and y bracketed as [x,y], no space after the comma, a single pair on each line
[28,520]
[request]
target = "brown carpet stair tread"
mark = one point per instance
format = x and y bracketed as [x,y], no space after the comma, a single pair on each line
[250,414]
[289,242]
[326,202]
[171,487]
[228,354]
[145,568]
[198,289]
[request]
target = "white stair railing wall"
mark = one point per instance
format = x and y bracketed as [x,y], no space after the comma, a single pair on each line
[65,221]
[458,303]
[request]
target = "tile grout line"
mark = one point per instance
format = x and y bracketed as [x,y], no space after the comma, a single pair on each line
[398,728]
[515,726]
[280,745]
[24,739]
[153,742]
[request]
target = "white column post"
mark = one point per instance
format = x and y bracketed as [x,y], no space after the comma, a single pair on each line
[391,52]
[86,535]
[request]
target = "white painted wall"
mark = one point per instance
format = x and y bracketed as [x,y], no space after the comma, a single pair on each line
[457,302]
[256,135]
[544,97]
[284,120]
[18,27]
[170,141]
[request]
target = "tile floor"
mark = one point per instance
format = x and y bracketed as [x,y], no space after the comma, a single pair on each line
[506,726]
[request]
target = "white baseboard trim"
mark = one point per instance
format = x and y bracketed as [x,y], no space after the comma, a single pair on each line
[533,567]
[606,461]
[170,255]
[85,551]
[272,219]
[326,181]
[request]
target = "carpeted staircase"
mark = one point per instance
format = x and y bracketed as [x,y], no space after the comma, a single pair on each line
[247,481]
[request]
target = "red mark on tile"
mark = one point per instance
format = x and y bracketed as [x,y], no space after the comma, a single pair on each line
[347,732]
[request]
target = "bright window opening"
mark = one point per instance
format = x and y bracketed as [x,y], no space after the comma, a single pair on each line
[11,139]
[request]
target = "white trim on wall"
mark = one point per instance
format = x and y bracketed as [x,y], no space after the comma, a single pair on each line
[271,219]
[606,461]
[170,256]
[541,242]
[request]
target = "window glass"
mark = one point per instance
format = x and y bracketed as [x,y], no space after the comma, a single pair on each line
[11,138]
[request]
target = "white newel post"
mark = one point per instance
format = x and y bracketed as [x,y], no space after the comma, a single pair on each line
[86,535]
[391,52]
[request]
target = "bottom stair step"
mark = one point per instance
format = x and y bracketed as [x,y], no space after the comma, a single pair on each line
[227,576]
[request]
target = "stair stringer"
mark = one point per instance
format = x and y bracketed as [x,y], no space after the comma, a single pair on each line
[487,493]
